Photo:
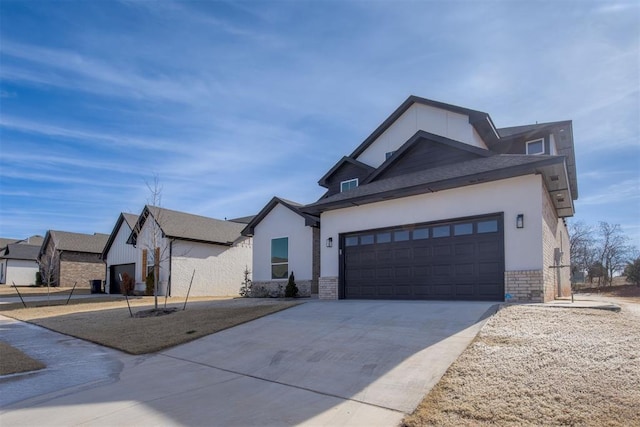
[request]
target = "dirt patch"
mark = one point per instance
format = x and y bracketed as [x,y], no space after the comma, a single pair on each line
[110,323]
[630,293]
[535,365]
[13,361]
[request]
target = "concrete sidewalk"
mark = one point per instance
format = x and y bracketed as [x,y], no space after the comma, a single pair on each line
[320,363]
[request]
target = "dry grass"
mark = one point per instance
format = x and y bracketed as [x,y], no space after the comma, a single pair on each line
[110,324]
[33,291]
[542,366]
[13,361]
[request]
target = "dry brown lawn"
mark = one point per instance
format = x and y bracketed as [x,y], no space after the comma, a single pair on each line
[109,323]
[533,365]
[13,361]
[32,291]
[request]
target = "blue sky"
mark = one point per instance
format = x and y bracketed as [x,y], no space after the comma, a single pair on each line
[230,103]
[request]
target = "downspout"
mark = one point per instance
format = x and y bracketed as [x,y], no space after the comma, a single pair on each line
[170,263]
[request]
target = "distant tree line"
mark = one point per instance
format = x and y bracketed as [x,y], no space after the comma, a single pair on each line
[602,251]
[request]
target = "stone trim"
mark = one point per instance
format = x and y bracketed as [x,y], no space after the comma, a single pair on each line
[328,288]
[275,288]
[524,285]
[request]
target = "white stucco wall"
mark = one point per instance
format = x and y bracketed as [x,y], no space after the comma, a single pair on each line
[283,222]
[421,117]
[219,270]
[22,272]
[513,196]
[122,253]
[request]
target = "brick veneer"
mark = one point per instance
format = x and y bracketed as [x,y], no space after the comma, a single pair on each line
[276,288]
[524,285]
[328,288]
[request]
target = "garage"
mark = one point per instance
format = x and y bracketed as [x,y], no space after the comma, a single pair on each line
[460,259]
[116,271]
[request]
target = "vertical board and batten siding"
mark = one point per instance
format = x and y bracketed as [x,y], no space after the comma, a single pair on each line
[283,222]
[219,270]
[421,117]
[513,196]
[144,242]
[121,253]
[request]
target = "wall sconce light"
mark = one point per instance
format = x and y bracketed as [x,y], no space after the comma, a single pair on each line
[330,242]
[520,221]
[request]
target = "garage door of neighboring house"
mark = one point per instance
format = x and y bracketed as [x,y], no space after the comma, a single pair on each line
[116,271]
[460,259]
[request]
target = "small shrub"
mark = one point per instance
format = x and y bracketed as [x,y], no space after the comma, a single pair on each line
[126,284]
[245,289]
[291,291]
[149,284]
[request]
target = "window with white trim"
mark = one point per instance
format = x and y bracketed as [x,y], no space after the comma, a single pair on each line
[348,185]
[536,146]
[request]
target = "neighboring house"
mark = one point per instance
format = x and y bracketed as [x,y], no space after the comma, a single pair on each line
[212,251]
[438,203]
[280,225]
[70,258]
[19,262]
[119,256]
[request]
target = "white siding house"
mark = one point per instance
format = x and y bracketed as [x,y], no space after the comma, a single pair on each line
[119,256]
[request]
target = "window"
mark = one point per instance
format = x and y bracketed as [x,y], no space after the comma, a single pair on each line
[401,236]
[383,237]
[351,241]
[421,233]
[536,146]
[442,231]
[280,258]
[462,229]
[388,154]
[348,185]
[488,226]
[366,239]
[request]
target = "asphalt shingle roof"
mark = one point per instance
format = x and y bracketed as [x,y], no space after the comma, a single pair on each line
[78,242]
[186,226]
[434,176]
[20,251]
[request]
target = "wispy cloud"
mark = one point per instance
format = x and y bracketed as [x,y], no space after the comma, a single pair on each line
[627,191]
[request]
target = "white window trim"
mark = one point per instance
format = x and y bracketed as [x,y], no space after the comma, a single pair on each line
[348,181]
[534,141]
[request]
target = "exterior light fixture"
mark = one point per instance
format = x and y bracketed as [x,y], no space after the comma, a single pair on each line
[330,242]
[520,221]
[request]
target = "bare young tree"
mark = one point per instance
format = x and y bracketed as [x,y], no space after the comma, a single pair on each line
[150,238]
[49,264]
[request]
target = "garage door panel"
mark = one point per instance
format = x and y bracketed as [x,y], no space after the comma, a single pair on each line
[454,260]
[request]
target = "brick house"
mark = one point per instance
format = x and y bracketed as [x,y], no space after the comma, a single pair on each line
[70,258]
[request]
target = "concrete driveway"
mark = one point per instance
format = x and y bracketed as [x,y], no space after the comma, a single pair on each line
[320,363]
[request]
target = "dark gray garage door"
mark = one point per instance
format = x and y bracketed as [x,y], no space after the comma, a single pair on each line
[458,259]
[116,271]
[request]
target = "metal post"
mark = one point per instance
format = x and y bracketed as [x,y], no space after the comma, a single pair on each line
[72,289]
[16,288]
[189,290]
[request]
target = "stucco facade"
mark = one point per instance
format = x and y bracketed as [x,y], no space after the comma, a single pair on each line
[218,269]
[303,243]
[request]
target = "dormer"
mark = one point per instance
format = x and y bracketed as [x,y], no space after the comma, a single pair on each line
[345,175]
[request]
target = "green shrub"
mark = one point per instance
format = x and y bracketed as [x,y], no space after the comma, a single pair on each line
[149,282]
[291,291]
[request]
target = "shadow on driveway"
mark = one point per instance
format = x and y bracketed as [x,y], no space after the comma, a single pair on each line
[330,363]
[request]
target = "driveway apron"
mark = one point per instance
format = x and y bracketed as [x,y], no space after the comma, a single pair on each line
[320,363]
